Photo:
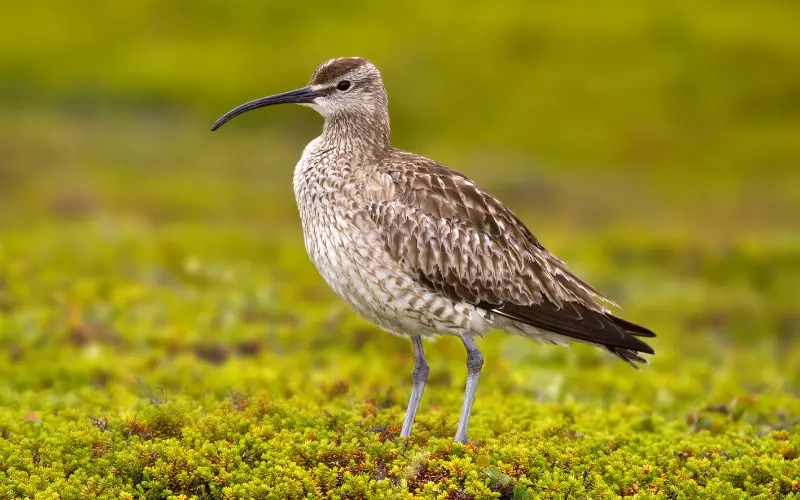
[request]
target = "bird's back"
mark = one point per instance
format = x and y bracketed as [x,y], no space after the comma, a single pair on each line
[464,244]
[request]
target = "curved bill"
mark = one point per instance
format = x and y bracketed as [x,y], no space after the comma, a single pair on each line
[298,96]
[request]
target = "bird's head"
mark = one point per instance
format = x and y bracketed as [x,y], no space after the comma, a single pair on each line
[341,86]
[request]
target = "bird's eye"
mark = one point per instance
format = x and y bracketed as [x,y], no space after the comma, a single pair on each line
[343,85]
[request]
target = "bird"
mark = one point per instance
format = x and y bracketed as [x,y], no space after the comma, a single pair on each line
[419,249]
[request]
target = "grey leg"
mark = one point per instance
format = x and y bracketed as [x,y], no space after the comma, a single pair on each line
[419,377]
[474,365]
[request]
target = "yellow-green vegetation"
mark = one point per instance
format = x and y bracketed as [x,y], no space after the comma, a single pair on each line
[162,333]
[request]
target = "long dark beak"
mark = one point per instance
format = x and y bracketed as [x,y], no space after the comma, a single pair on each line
[293,96]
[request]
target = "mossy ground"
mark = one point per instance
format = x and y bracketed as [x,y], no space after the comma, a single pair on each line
[162,333]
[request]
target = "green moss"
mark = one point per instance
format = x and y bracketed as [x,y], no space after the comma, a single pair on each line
[152,365]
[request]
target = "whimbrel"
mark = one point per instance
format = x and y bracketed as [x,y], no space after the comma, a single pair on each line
[419,249]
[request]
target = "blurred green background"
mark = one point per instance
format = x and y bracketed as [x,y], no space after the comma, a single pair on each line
[654,146]
[688,112]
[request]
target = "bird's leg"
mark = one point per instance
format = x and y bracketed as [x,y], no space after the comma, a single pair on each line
[474,365]
[419,377]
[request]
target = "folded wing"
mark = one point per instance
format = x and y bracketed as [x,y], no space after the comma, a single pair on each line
[461,242]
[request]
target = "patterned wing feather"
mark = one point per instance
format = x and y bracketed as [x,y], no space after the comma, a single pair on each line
[463,243]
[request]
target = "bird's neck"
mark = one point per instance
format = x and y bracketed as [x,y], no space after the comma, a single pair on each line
[365,134]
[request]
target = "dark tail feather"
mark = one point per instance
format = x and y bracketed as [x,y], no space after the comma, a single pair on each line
[631,328]
[578,322]
[627,355]
[631,356]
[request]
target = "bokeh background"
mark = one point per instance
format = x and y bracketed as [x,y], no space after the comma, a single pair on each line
[654,146]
